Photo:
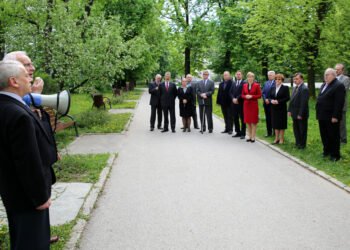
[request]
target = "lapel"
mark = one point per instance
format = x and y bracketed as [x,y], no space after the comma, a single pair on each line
[328,88]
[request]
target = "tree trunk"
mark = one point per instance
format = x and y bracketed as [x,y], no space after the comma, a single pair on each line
[311,77]
[264,67]
[227,61]
[187,60]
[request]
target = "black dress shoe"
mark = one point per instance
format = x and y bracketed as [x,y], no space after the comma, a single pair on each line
[230,132]
[151,129]
[225,131]
[242,137]
[236,135]
[165,130]
[210,131]
[268,135]
[160,127]
[248,140]
[301,146]
[196,127]
[188,130]
[334,159]
[252,140]
[183,130]
[173,130]
[275,142]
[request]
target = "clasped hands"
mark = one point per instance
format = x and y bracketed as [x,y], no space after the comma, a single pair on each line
[204,95]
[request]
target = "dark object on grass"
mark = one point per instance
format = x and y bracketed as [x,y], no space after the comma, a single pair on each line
[100,101]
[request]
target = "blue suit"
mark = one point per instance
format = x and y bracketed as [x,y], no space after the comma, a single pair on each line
[267,107]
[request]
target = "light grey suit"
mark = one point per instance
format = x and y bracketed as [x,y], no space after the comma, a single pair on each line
[208,88]
[342,126]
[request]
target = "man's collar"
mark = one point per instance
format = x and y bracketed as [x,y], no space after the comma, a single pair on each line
[13,95]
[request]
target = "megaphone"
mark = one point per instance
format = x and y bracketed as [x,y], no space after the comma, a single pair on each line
[59,101]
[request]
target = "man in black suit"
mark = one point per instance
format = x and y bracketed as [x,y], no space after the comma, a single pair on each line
[299,110]
[168,93]
[237,105]
[224,101]
[193,85]
[156,108]
[329,107]
[205,90]
[27,153]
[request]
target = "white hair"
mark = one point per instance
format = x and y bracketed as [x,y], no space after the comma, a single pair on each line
[14,55]
[206,72]
[271,72]
[158,75]
[333,71]
[167,73]
[9,68]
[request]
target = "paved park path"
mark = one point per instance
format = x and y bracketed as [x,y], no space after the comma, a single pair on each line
[212,191]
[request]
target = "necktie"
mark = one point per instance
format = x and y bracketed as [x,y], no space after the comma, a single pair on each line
[167,87]
[294,90]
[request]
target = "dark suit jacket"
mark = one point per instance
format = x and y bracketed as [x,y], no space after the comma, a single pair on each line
[194,88]
[27,153]
[208,89]
[155,94]
[282,97]
[330,103]
[167,98]
[236,91]
[299,102]
[223,97]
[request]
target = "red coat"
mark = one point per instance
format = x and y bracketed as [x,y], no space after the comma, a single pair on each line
[250,106]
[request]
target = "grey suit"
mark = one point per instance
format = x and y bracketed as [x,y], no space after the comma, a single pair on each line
[194,110]
[342,126]
[299,106]
[206,104]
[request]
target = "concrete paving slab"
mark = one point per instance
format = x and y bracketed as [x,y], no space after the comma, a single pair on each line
[119,111]
[95,144]
[212,191]
[67,199]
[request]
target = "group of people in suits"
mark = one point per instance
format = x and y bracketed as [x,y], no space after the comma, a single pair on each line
[162,101]
[28,151]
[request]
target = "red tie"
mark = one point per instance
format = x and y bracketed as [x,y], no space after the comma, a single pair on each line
[167,87]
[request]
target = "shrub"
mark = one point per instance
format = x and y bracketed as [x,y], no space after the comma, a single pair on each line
[91,118]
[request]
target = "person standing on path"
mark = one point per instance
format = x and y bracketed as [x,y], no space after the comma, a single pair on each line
[168,92]
[266,103]
[156,107]
[251,93]
[185,95]
[224,101]
[193,85]
[279,96]
[27,154]
[344,80]
[299,110]
[329,107]
[237,105]
[205,90]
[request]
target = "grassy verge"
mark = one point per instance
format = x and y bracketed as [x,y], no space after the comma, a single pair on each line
[311,154]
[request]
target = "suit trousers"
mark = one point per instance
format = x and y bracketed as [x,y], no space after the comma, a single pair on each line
[194,117]
[300,131]
[208,114]
[29,230]
[330,136]
[156,109]
[166,112]
[343,135]
[267,109]
[238,114]
[228,117]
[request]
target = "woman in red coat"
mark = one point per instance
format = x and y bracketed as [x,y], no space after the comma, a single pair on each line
[251,92]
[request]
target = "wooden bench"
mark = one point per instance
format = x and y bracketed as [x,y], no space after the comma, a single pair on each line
[116,92]
[100,101]
[58,125]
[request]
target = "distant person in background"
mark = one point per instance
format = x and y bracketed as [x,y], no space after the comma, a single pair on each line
[193,85]
[299,110]
[329,109]
[237,105]
[205,90]
[185,95]
[266,102]
[168,92]
[344,80]
[156,107]
[251,92]
[279,96]
[224,101]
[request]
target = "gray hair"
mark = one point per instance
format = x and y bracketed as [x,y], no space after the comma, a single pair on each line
[206,71]
[333,71]
[227,72]
[271,72]
[14,55]
[167,73]
[158,75]
[188,75]
[341,65]
[9,68]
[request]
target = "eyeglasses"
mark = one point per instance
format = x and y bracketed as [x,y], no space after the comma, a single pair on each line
[278,79]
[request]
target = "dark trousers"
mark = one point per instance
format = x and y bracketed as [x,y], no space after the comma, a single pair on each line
[208,114]
[238,114]
[300,131]
[156,109]
[228,117]
[267,109]
[29,230]
[330,136]
[166,111]
[194,117]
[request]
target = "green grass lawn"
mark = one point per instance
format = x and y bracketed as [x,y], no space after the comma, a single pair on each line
[312,153]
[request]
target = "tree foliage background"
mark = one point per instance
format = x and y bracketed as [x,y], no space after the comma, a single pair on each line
[84,44]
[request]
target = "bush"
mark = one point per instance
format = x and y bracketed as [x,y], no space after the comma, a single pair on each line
[91,118]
